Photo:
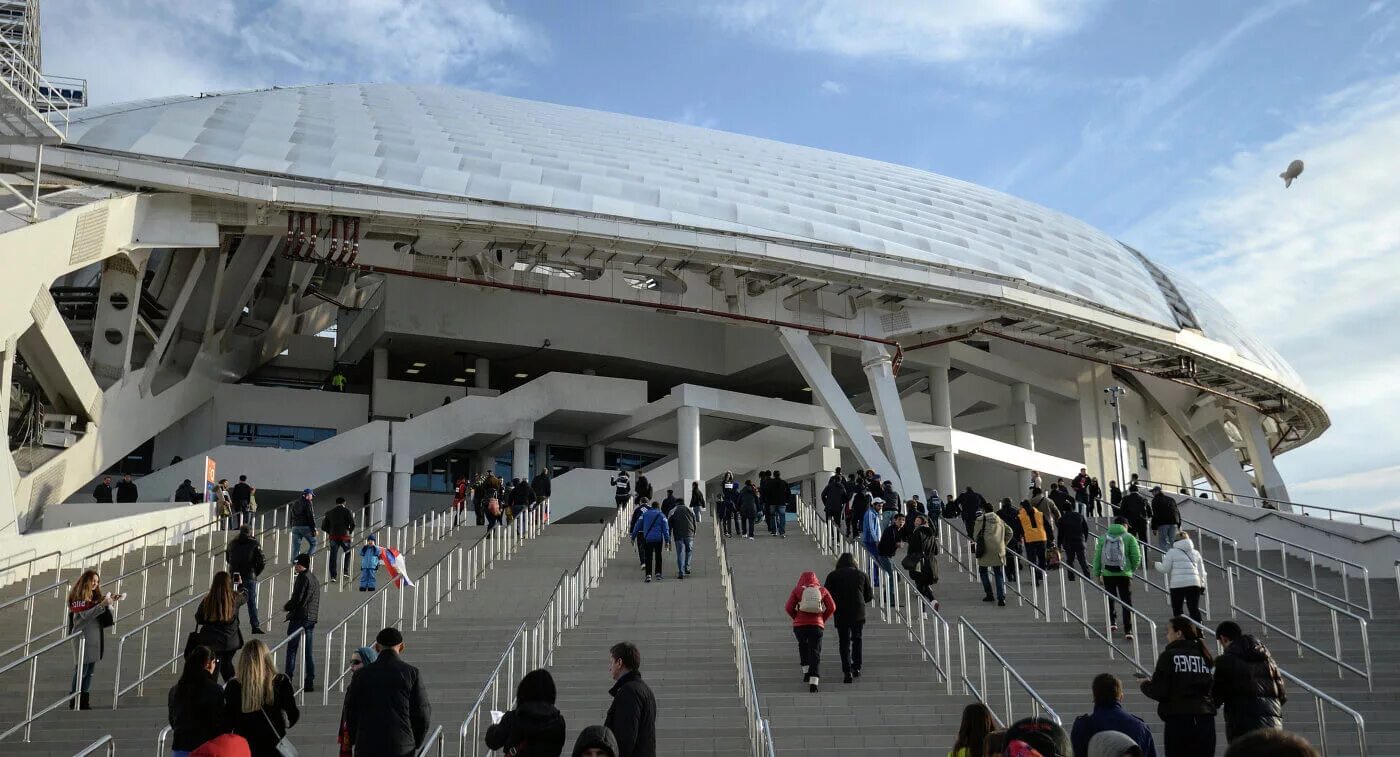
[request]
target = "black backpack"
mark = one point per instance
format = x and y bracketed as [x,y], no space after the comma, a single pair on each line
[952,509]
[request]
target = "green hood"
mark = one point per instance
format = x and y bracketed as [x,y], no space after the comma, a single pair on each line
[1117,529]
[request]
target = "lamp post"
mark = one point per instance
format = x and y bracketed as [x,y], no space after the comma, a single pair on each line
[1114,393]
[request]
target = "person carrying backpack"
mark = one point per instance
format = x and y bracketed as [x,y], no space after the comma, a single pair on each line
[810,606]
[653,530]
[1116,559]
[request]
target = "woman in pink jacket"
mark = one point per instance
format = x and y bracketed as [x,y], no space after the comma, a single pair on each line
[809,605]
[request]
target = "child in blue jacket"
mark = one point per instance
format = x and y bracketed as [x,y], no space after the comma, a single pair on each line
[369,563]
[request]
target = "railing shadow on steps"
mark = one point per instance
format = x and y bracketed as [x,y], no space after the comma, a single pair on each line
[107,745]
[758,728]
[33,661]
[980,690]
[533,644]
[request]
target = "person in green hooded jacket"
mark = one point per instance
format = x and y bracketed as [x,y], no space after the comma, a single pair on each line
[1116,558]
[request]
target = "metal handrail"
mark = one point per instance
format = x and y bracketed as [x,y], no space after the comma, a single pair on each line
[107,741]
[1106,635]
[960,554]
[1313,554]
[1148,569]
[33,659]
[272,652]
[756,724]
[1008,675]
[33,87]
[901,587]
[137,537]
[534,643]
[1296,635]
[164,734]
[28,600]
[434,739]
[1320,698]
[1298,507]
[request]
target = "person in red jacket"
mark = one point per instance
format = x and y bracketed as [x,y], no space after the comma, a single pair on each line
[809,605]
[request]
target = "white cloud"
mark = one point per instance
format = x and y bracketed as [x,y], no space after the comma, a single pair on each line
[1312,269]
[696,114]
[833,87]
[160,47]
[937,32]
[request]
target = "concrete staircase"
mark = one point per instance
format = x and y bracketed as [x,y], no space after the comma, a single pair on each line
[506,589]
[687,654]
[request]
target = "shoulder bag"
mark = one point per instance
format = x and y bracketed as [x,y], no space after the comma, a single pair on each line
[284,746]
[979,547]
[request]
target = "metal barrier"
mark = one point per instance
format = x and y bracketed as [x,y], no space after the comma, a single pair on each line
[1388,522]
[1008,675]
[272,651]
[1221,540]
[534,644]
[1148,570]
[1296,635]
[28,602]
[757,725]
[1343,566]
[898,586]
[107,744]
[33,660]
[1320,698]
[164,734]
[1106,635]
[435,739]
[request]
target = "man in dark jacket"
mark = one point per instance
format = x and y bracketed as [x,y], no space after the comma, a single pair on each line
[969,507]
[241,497]
[302,520]
[1071,533]
[1247,683]
[386,710]
[782,496]
[303,608]
[1109,715]
[632,715]
[126,490]
[521,497]
[103,491]
[246,562]
[861,501]
[834,499]
[669,502]
[850,588]
[339,525]
[1166,518]
[542,487]
[1137,511]
[186,492]
[683,524]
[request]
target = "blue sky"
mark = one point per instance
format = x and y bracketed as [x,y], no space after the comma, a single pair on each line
[1164,122]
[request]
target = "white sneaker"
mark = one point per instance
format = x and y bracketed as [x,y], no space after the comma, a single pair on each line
[812,684]
[1128,636]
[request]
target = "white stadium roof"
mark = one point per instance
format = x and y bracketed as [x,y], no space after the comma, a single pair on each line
[501,149]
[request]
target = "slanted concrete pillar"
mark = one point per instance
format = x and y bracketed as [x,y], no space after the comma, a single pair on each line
[823,437]
[1266,474]
[483,373]
[889,408]
[688,447]
[402,505]
[941,410]
[114,327]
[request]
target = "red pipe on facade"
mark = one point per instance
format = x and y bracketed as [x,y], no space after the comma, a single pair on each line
[333,250]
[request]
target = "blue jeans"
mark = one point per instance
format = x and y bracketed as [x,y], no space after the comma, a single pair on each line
[987,580]
[309,633]
[336,547]
[1165,536]
[685,547]
[86,685]
[780,517]
[303,533]
[250,587]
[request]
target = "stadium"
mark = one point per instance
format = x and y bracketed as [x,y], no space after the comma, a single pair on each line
[517,286]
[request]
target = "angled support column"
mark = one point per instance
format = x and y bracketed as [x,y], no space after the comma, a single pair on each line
[1266,474]
[172,322]
[879,371]
[1222,459]
[809,363]
[248,270]
[118,301]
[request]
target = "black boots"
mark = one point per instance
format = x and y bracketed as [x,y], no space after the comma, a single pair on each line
[84,701]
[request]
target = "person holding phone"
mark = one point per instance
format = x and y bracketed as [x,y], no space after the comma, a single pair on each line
[89,612]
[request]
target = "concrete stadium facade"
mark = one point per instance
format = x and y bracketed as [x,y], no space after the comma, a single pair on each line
[517,285]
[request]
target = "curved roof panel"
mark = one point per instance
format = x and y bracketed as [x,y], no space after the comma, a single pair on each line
[494,148]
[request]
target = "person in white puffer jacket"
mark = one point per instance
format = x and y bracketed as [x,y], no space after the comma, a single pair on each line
[1186,575]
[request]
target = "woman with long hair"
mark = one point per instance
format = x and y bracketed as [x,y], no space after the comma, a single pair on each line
[977,722]
[1181,686]
[195,705]
[87,607]
[217,620]
[259,701]
[534,728]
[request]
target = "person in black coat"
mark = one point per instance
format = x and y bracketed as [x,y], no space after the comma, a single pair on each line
[534,728]
[195,706]
[186,492]
[1247,683]
[632,715]
[126,490]
[259,703]
[303,610]
[386,710]
[103,491]
[246,562]
[217,621]
[1181,685]
[850,589]
[1072,532]
[834,499]
[1009,515]
[969,507]
[1137,511]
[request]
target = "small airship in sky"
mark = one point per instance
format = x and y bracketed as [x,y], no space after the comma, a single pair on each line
[1294,170]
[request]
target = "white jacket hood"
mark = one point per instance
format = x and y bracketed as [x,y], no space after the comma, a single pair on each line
[1183,565]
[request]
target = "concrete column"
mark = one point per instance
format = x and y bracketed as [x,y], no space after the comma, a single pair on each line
[381,362]
[541,458]
[1266,474]
[401,513]
[823,437]
[1023,414]
[688,446]
[941,409]
[483,373]
[115,320]
[381,463]
[520,460]
[596,458]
